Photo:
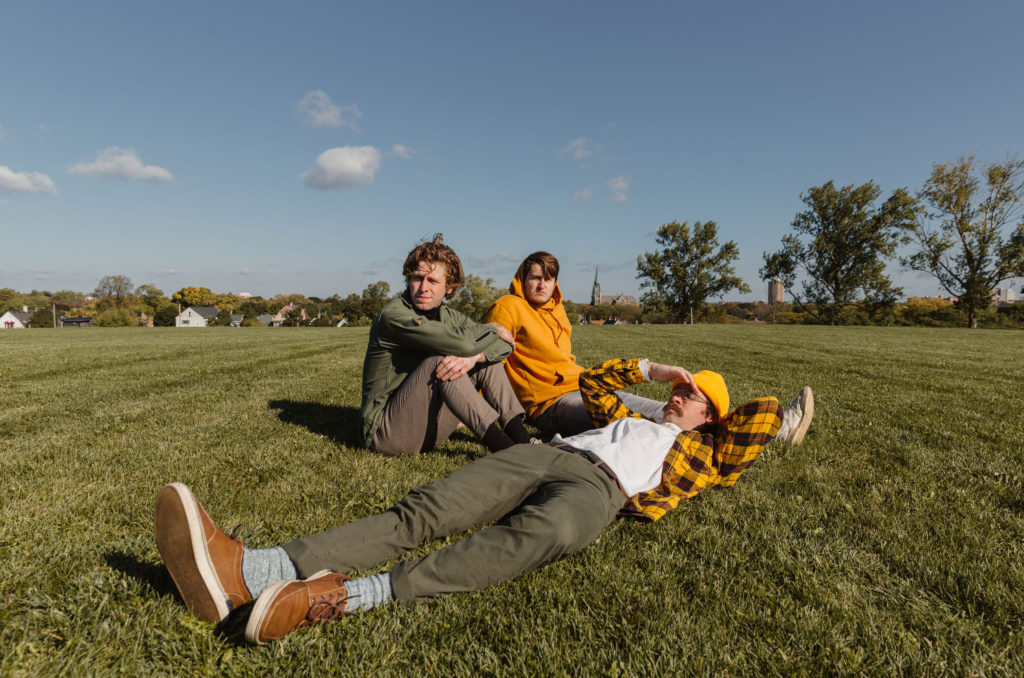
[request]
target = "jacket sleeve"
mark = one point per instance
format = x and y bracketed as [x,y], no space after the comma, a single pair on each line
[400,328]
[598,386]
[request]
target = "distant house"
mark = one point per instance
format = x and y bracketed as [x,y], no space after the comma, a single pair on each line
[236,319]
[81,321]
[264,319]
[278,319]
[15,320]
[195,316]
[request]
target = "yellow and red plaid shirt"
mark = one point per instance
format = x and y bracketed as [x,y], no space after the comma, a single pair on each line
[697,461]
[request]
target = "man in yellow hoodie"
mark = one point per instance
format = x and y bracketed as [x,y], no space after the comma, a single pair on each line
[542,367]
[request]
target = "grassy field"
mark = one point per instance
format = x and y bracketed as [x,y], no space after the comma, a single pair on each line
[890,542]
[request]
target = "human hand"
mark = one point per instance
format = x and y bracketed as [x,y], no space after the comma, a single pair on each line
[668,373]
[504,334]
[452,366]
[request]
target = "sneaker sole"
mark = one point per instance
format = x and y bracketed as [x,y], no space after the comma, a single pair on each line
[182,544]
[807,407]
[262,606]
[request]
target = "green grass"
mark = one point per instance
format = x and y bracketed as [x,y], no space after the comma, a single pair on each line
[890,542]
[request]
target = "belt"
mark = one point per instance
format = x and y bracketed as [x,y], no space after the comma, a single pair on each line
[595,460]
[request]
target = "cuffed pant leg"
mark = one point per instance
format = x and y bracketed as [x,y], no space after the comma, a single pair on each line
[476,494]
[567,512]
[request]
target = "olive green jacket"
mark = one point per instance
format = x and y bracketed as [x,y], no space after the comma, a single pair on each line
[402,337]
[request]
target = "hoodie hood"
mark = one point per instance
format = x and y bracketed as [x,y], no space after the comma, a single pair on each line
[516,289]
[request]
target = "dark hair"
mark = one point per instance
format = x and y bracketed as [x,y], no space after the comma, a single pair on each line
[547,262]
[435,252]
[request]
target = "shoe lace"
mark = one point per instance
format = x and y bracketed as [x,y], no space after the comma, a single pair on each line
[234,535]
[327,607]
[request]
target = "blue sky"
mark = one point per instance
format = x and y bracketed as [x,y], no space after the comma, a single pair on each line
[271,147]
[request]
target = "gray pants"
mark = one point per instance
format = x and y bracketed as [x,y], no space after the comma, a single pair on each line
[548,504]
[424,411]
[568,415]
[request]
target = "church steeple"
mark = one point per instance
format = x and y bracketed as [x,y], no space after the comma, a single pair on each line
[595,294]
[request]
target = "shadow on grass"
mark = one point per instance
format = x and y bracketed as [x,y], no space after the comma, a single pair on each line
[340,425]
[159,579]
[155,577]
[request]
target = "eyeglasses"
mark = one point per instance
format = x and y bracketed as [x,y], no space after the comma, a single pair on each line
[688,393]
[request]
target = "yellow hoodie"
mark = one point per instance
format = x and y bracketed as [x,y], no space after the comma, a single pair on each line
[542,367]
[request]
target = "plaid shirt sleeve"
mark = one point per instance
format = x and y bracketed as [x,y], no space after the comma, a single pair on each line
[697,461]
[598,386]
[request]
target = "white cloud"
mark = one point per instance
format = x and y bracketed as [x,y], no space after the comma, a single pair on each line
[25,182]
[123,163]
[617,188]
[169,271]
[319,111]
[402,151]
[583,195]
[579,150]
[342,167]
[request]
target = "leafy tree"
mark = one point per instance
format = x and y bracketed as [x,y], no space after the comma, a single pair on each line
[841,243]
[960,236]
[9,299]
[115,317]
[375,297]
[43,317]
[69,301]
[165,314]
[475,296]
[688,270]
[114,291]
[222,319]
[194,296]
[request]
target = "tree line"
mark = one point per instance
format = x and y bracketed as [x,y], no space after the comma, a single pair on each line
[964,227]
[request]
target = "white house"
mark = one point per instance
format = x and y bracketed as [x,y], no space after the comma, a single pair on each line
[15,320]
[195,316]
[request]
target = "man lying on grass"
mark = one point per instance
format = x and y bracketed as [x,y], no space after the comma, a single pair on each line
[548,501]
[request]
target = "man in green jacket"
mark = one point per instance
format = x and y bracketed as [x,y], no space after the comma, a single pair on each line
[427,366]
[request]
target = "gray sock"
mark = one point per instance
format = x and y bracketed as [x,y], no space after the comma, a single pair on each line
[263,567]
[368,592]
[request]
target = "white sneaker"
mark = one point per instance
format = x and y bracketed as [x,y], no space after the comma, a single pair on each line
[796,418]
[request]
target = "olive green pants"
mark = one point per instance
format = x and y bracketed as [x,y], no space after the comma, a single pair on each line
[548,504]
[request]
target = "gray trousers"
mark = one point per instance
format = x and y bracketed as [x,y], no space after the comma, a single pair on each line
[424,411]
[568,415]
[548,504]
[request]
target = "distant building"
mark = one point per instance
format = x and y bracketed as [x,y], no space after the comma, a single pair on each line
[596,299]
[15,320]
[776,292]
[68,321]
[196,316]
[1003,295]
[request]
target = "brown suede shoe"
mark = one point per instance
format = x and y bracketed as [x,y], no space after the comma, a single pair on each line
[205,563]
[290,605]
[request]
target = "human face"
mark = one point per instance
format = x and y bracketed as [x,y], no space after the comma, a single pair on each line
[537,287]
[427,286]
[687,409]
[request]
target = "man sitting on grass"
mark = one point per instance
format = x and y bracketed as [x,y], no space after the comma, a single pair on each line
[427,366]
[548,501]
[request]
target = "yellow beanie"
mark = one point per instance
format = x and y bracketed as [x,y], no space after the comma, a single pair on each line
[712,385]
